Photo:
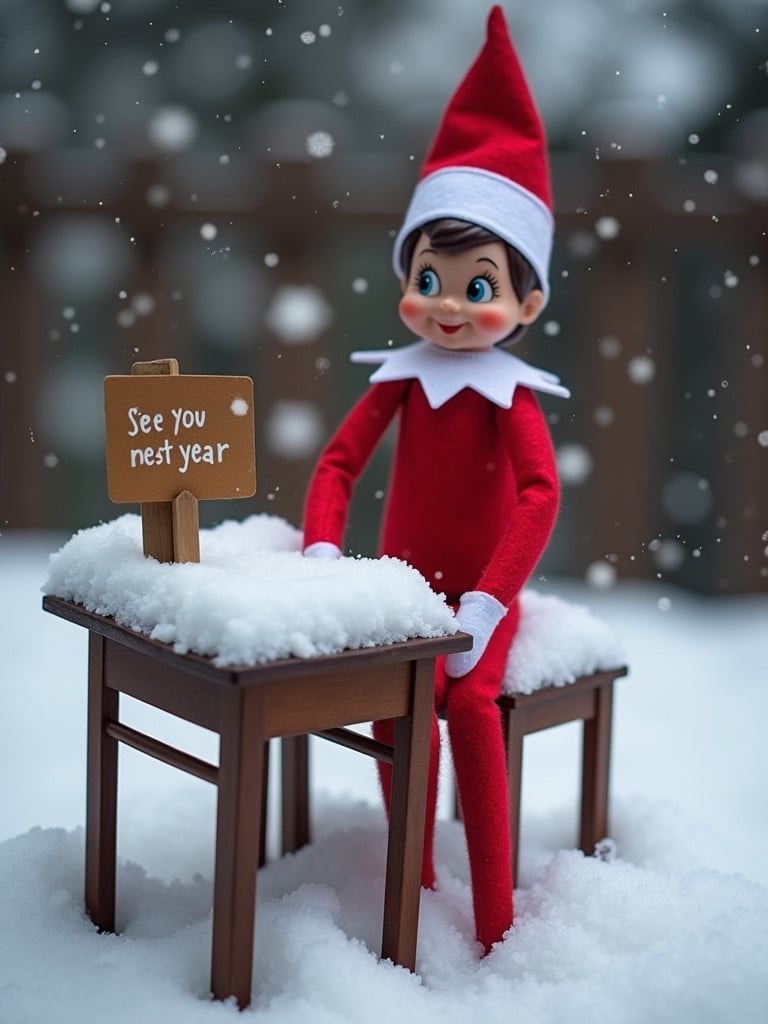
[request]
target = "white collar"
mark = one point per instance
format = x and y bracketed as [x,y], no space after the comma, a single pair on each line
[443,373]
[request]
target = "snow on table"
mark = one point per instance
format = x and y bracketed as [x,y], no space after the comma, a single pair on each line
[254,598]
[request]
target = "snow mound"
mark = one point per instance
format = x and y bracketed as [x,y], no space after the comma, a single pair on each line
[253,598]
[556,643]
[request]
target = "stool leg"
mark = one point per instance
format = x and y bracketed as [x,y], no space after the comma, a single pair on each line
[264,807]
[514,731]
[294,751]
[101,798]
[596,756]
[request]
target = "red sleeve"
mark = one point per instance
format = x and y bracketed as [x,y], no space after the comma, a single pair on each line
[343,460]
[538,495]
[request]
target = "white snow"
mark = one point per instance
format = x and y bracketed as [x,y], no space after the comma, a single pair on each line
[298,313]
[320,144]
[558,641]
[294,428]
[670,926]
[253,598]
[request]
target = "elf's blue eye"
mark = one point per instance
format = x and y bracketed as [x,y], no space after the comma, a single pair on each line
[428,283]
[479,289]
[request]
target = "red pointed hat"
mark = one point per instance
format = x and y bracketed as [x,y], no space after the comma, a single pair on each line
[488,162]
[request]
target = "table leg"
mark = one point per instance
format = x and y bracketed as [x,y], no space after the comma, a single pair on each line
[406,822]
[294,754]
[596,754]
[238,837]
[514,732]
[101,793]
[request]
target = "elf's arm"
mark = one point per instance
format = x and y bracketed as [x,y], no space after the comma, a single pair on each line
[529,447]
[342,461]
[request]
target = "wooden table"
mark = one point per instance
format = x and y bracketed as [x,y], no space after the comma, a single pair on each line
[248,706]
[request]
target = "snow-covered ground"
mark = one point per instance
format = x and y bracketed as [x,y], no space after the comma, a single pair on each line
[674,927]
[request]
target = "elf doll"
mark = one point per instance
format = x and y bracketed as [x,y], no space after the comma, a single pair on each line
[473,493]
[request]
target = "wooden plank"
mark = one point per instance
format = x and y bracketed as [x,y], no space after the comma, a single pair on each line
[553,693]
[162,751]
[155,366]
[185,528]
[568,708]
[164,687]
[341,697]
[254,675]
[355,741]
[157,530]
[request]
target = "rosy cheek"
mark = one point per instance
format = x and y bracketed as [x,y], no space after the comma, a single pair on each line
[492,319]
[410,307]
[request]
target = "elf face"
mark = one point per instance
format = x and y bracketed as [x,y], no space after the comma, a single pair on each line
[464,300]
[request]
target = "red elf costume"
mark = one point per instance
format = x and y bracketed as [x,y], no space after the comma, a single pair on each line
[473,494]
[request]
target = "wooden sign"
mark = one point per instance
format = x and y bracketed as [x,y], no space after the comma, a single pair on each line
[168,433]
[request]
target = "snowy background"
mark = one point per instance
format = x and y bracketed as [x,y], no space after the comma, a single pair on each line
[671,926]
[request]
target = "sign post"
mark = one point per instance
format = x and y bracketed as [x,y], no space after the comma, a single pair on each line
[173,439]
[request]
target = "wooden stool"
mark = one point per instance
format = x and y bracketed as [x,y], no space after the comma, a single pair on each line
[588,698]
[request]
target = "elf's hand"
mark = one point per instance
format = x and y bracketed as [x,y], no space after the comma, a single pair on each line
[479,614]
[322,549]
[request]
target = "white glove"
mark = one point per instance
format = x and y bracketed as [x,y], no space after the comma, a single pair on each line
[322,549]
[479,614]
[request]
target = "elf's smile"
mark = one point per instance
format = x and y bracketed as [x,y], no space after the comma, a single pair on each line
[448,328]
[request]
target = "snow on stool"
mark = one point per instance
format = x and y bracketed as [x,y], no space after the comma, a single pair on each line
[557,643]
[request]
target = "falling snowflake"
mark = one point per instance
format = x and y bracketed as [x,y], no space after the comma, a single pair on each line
[360,285]
[158,195]
[320,145]
[172,128]
[607,228]
[208,232]
[641,369]
[574,464]
[271,259]
[601,575]
[307,38]
[239,407]
[298,313]
[143,304]
[711,177]
[294,429]
[609,347]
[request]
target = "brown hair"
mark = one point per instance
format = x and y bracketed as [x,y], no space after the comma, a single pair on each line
[451,235]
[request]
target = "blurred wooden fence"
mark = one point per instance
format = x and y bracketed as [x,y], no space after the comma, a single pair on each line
[657,323]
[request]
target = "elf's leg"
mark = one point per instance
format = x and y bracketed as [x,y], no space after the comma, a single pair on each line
[384,731]
[477,745]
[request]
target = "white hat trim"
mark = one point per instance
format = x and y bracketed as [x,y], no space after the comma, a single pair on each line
[489,200]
